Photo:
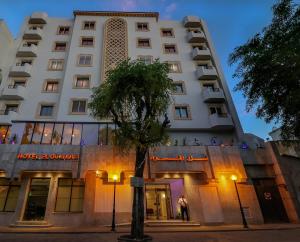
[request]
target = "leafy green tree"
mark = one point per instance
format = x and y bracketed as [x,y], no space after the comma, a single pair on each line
[136,97]
[268,66]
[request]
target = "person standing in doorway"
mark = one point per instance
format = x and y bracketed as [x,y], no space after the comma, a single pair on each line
[183,207]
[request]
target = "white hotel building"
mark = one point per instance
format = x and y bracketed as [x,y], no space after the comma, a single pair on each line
[56,160]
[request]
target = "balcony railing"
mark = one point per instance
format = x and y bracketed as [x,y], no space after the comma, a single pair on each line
[206,73]
[201,54]
[213,95]
[20,70]
[35,33]
[6,116]
[38,18]
[196,37]
[13,92]
[27,51]
[191,21]
[220,121]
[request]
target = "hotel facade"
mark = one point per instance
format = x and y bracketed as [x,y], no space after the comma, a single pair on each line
[57,161]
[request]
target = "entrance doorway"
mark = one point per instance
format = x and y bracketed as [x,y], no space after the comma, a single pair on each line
[37,199]
[270,200]
[158,202]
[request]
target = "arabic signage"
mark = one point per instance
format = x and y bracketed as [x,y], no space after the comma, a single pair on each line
[202,157]
[34,156]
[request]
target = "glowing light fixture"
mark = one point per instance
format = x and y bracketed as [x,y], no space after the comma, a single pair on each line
[233,177]
[115,177]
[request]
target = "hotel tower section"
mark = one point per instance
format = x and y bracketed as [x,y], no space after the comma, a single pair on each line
[57,161]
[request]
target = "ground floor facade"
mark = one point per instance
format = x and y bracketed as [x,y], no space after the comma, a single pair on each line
[72,185]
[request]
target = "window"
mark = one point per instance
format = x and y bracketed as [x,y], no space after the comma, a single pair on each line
[70,195]
[4,134]
[47,133]
[55,65]
[46,110]
[143,43]
[18,83]
[210,87]
[51,86]
[147,59]
[85,60]
[30,43]
[87,41]
[36,27]
[11,108]
[78,106]
[217,110]
[9,193]
[170,49]
[89,25]
[23,62]
[60,46]
[179,87]
[174,67]
[82,82]
[142,26]
[167,33]
[182,112]
[63,30]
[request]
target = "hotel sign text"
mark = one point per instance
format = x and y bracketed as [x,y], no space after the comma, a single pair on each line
[34,156]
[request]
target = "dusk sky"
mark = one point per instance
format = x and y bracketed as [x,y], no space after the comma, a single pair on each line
[230,22]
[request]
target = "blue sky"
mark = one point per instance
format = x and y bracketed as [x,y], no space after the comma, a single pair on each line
[230,22]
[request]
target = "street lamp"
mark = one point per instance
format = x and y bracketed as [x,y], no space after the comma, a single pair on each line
[113,223]
[234,178]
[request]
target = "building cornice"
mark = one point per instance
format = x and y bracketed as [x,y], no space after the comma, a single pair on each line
[116,14]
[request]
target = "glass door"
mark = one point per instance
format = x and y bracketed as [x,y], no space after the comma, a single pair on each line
[158,202]
[37,199]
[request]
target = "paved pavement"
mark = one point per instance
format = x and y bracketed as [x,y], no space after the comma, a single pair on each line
[282,235]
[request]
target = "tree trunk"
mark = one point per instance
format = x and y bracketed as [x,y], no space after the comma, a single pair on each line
[137,224]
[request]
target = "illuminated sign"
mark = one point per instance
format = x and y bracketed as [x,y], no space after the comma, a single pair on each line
[34,156]
[180,158]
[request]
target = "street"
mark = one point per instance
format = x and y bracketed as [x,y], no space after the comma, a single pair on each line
[284,235]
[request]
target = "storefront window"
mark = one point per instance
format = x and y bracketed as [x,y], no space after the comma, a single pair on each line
[4,134]
[8,196]
[67,135]
[47,134]
[110,134]
[70,195]
[90,134]
[57,134]
[102,134]
[37,133]
[26,139]
[76,136]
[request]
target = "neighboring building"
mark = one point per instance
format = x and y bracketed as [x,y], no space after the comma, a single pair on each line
[57,162]
[6,47]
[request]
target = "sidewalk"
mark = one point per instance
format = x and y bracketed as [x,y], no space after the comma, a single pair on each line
[166,229]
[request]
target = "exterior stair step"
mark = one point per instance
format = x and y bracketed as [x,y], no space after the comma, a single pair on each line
[168,223]
[31,224]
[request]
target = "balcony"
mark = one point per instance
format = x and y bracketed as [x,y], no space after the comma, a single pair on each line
[196,37]
[33,33]
[191,22]
[215,95]
[27,51]
[206,73]
[6,117]
[12,92]
[220,121]
[38,18]
[20,70]
[201,54]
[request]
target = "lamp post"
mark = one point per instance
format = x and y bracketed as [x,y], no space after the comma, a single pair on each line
[234,178]
[113,223]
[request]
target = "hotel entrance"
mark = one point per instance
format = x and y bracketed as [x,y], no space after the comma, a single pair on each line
[37,199]
[158,202]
